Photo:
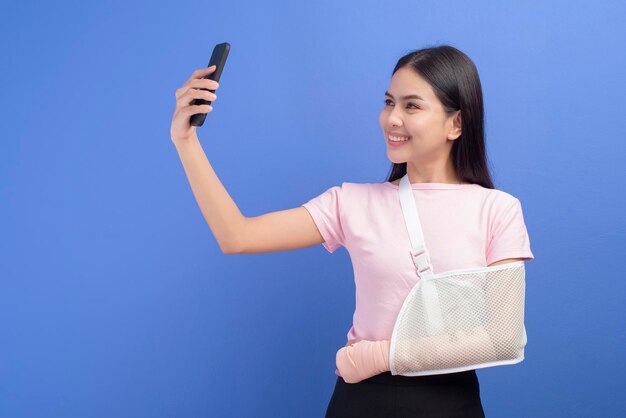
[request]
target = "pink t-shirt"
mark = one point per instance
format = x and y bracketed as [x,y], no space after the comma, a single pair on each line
[464,226]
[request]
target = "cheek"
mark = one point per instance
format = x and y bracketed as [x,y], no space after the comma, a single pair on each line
[415,127]
[420,125]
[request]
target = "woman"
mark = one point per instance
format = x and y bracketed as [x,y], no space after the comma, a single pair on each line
[432,123]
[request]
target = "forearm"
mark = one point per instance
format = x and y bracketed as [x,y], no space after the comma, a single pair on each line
[220,211]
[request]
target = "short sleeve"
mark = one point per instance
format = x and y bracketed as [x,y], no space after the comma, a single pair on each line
[325,210]
[509,237]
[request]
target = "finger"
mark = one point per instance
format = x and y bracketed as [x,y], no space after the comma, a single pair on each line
[203,83]
[198,74]
[192,94]
[193,109]
[202,72]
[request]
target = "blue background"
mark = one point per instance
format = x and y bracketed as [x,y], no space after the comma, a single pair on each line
[115,299]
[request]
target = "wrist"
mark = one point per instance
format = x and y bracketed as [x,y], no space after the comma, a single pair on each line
[183,142]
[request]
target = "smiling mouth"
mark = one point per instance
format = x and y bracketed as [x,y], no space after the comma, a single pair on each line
[392,139]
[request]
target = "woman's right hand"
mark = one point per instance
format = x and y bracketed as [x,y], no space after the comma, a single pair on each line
[181,129]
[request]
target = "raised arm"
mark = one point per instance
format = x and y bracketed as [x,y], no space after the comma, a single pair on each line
[283,230]
[236,234]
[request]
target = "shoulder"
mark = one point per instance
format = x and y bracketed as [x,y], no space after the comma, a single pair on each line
[498,198]
[347,194]
[503,211]
[504,197]
[363,188]
[496,206]
[355,196]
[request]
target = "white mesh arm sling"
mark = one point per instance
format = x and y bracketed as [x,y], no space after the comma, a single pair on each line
[458,320]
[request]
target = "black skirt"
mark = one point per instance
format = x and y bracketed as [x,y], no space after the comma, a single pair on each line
[384,395]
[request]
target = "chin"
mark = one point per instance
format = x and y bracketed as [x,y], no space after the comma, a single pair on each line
[396,160]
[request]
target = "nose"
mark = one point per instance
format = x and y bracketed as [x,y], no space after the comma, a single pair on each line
[393,118]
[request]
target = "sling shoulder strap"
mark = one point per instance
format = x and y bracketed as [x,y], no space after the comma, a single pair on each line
[419,252]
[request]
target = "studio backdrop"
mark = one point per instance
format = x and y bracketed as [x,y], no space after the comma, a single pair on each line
[115,298]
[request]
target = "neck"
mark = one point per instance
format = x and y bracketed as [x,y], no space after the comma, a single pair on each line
[432,172]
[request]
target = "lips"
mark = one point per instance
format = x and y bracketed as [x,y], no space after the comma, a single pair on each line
[398,134]
[397,143]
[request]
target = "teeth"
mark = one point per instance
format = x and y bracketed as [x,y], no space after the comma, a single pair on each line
[398,139]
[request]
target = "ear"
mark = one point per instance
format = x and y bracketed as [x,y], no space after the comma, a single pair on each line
[455,132]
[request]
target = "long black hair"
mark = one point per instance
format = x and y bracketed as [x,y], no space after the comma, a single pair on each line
[454,79]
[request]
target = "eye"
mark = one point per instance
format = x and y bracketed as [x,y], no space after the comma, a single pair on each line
[388,103]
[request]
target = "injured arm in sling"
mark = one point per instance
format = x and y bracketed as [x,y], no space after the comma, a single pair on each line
[363,359]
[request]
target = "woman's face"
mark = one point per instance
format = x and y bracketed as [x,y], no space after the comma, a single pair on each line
[420,118]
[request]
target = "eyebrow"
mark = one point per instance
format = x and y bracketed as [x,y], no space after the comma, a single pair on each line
[410,96]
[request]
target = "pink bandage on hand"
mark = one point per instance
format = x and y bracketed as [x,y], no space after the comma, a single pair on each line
[363,360]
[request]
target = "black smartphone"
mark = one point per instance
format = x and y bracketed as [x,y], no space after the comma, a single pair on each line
[218,58]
